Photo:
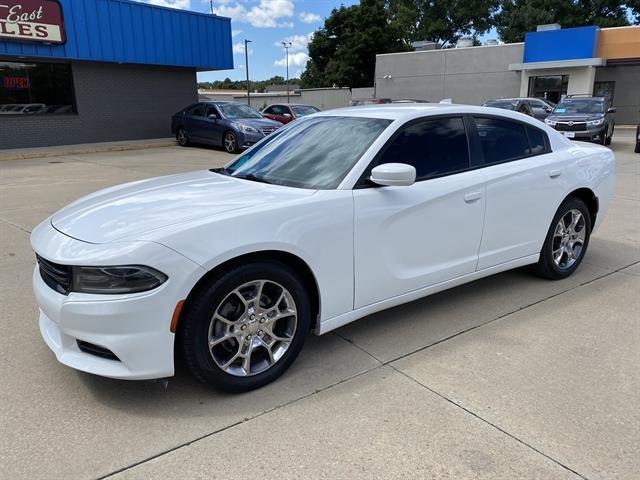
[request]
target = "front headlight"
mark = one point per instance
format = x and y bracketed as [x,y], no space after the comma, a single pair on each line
[551,123]
[248,129]
[114,280]
[595,123]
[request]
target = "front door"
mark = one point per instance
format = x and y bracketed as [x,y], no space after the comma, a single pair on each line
[408,238]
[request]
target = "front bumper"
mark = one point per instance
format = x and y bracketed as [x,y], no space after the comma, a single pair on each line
[591,135]
[246,139]
[134,327]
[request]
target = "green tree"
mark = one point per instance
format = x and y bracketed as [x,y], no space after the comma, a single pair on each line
[442,21]
[343,52]
[516,17]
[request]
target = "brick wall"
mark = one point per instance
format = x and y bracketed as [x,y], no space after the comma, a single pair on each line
[114,102]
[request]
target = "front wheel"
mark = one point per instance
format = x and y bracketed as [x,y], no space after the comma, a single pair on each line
[246,327]
[567,240]
[230,142]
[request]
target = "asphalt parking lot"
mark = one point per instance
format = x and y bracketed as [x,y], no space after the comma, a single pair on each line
[508,377]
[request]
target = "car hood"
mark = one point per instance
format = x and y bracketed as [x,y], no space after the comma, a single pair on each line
[575,117]
[131,209]
[258,123]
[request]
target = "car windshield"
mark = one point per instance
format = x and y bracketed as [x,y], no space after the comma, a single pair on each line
[577,106]
[302,110]
[234,111]
[314,153]
[504,105]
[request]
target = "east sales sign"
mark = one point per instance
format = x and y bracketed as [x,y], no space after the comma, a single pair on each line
[34,20]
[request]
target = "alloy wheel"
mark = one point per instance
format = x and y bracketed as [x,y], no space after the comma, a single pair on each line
[182,136]
[568,239]
[230,142]
[252,328]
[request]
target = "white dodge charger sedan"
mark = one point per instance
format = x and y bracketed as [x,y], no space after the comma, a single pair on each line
[334,217]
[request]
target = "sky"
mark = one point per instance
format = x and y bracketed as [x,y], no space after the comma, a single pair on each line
[266,23]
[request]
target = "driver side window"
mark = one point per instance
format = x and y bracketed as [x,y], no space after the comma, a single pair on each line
[435,147]
[211,110]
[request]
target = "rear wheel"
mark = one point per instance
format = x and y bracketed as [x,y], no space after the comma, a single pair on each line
[567,240]
[181,137]
[247,327]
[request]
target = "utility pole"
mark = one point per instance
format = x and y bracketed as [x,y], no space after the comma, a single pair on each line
[246,66]
[287,46]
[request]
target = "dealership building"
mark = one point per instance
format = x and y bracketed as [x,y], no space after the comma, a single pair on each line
[551,62]
[78,71]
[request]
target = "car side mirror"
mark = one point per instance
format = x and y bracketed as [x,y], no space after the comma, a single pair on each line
[393,174]
[213,116]
[611,110]
[288,115]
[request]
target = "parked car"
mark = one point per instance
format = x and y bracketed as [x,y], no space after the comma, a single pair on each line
[584,118]
[285,113]
[308,230]
[637,149]
[534,107]
[370,101]
[231,125]
[23,109]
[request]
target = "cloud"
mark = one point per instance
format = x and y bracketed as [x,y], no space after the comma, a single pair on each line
[235,33]
[307,17]
[299,59]
[299,43]
[238,48]
[266,14]
[181,4]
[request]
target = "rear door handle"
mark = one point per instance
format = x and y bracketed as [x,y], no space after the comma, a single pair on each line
[472,197]
[555,173]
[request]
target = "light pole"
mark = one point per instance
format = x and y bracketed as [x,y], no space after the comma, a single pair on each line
[287,46]
[246,66]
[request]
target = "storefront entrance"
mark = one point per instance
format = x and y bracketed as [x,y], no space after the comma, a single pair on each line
[549,87]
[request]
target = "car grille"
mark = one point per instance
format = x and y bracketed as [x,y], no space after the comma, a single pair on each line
[56,276]
[571,126]
[268,130]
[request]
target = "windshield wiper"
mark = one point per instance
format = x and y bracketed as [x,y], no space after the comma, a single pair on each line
[220,170]
[254,178]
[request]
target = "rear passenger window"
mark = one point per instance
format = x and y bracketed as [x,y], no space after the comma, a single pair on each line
[434,147]
[536,140]
[502,140]
[197,110]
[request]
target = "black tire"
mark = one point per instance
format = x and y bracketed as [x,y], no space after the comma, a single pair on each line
[182,137]
[603,140]
[610,137]
[546,266]
[193,336]
[230,147]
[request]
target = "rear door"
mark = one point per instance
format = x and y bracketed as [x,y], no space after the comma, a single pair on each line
[524,185]
[408,238]
[195,122]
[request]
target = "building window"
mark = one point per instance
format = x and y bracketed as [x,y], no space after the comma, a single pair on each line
[604,89]
[36,88]
[549,87]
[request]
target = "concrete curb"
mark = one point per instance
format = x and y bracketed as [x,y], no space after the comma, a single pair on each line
[80,149]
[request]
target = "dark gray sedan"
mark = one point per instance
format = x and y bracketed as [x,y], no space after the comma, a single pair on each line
[232,125]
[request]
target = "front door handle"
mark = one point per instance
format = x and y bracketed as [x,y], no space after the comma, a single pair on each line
[555,173]
[472,197]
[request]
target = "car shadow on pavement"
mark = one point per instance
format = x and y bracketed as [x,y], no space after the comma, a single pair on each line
[355,348]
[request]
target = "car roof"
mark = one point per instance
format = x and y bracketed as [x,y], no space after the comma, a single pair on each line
[290,105]
[407,111]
